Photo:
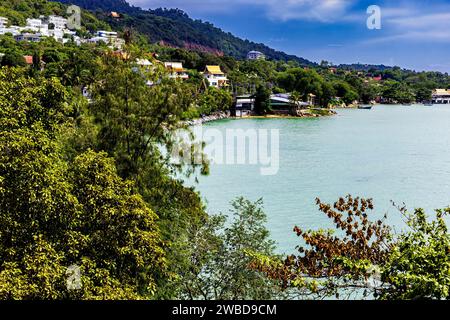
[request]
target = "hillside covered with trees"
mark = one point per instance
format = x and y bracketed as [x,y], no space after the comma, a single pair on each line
[174,27]
[85,183]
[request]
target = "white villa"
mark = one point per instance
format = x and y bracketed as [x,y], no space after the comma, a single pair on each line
[58,22]
[111,38]
[255,55]
[215,77]
[176,70]
[35,24]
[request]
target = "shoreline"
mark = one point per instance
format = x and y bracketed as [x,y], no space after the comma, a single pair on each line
[226,115]
[213,117]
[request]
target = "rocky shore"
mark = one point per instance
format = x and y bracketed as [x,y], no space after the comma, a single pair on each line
[212,117]
[311,113]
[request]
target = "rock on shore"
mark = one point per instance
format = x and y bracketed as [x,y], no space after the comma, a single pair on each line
[212,117]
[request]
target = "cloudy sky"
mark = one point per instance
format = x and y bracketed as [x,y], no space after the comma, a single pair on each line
[414,33]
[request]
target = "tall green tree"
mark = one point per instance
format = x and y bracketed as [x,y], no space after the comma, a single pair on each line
[227,253]
[57,214]
[136,120]
[262,100]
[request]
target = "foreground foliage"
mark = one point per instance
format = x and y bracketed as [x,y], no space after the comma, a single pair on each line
[55,214]
[364,259]
[225,273]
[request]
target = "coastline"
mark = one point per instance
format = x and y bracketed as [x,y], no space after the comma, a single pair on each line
[313,113]
[213,117]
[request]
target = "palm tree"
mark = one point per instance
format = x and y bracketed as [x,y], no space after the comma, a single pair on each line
[295,99]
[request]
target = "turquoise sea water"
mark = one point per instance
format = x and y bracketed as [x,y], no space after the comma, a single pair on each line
[399,153]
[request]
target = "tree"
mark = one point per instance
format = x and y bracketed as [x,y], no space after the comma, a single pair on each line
[369,92]
[307,82]
[262,100]
[345,91]
[227,254]
[135,120]
[361,258]
[13,59]
[57,214]
[419,265]
[295,100]
[214,100]
[424,94]
[399,92]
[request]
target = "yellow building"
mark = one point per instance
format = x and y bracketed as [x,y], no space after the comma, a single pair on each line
[215,77]
[176,70]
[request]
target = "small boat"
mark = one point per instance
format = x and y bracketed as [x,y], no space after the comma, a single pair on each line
[365,107]
[428,103]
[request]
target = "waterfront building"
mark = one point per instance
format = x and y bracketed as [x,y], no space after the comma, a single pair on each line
[245,105]
[441,96]
[215,77]
[282,104]
[255,55]
[176,70]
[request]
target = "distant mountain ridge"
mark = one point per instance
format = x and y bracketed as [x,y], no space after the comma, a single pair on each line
[175,27]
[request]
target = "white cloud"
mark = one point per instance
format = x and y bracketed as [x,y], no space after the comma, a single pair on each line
[415,23]
[321,10]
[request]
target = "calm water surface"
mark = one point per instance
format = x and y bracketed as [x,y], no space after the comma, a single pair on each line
[399,153]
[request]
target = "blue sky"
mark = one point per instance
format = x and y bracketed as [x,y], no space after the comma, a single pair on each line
[414,34]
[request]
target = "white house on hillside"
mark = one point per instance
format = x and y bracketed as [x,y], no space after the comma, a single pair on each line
[176,70]
[111,38]
[34,24]
[3,21]
[215,77]
[58,22]
[255,55]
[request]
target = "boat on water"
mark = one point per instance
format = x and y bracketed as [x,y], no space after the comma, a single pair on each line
[365,107]
[428,103]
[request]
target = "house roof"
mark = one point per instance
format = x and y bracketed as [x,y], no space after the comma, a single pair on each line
[28,59]
[284,99]
[175,66]
[442,92]
[213,70]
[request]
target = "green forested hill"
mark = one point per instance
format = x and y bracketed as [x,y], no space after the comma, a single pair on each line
[176,28]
